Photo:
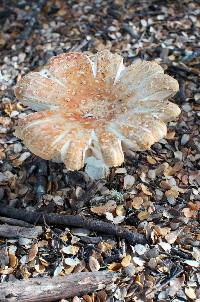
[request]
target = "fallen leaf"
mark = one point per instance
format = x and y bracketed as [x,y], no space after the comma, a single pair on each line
[39,268]
[6,271]
[162,231]
[120,210]
[144,189]
[87,298]
[172,193]
[175,285]
[143,215]
[94,264]
[72,261]
[138,280]
[170,134]
[140,249]
[105,246]
[114,267]
[102,296]
[13,261]
[137,202]
[33,252]
[129,181]
[58,270]
[165,246]
[70,249]
[110,206]
[25,273]
[151,160]
[138,261]
[170,171]
[126,261]
[190,293]
[171,237]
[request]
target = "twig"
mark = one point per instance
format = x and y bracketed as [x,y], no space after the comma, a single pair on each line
[56,288]
[41,184]
[18,222]
[11,231]
[182,95]
[73,220]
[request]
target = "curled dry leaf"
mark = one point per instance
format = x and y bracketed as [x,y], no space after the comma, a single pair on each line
[94,264]
[70,249]
[6,271]
[114,267]
[110,206]
[126,261]
[129,181]
[144,189]
[172,236]
[92,109]
[105,246]
[190,293]
[137,202]
[13,261]
[87,298]
[33,252]
[143,215]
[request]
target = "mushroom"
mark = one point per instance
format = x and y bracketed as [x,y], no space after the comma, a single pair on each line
[91,109]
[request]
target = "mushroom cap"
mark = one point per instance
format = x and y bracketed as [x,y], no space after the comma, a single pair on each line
[91,108]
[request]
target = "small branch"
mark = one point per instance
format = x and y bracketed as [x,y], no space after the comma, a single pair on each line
[73,220]
[12,221]
[12,231]
[41,184]
[56,288]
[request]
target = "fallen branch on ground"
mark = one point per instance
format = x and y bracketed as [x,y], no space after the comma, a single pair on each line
[73,220]
[12,221]
[14,231]
[56,288]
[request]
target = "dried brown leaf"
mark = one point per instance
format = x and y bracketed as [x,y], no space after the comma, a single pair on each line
[110,206]
[33,252]
[93,264]
[126,261]
[13,261]
[190,293]
[114,267]
[137,202]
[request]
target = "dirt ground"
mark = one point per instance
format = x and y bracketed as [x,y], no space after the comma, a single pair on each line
[156,193]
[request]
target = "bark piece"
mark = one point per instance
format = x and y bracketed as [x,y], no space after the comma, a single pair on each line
[13,231]
[56,288]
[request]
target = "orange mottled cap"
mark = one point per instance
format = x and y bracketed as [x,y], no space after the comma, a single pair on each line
[92,109]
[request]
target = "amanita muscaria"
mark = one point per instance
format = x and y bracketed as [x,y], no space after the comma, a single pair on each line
[92,109]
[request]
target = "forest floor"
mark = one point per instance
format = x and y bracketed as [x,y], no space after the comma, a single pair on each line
[155,193]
